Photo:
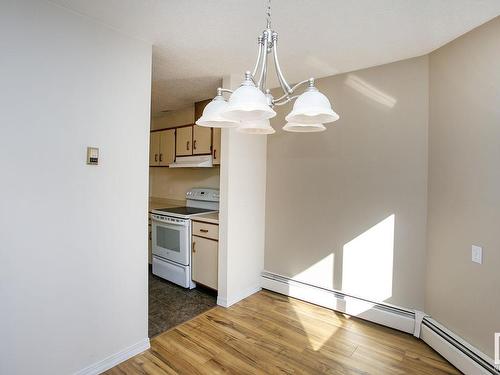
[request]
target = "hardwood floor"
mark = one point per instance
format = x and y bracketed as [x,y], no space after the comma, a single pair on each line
[268,333]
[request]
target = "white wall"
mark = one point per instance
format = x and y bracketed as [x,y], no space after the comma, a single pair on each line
[346,208]
[242,211]
[73,238]
[464,185]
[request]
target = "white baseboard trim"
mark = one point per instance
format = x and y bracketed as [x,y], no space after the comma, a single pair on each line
[384,314]
[461,354]
[457,351]
[231,300]
[115,359]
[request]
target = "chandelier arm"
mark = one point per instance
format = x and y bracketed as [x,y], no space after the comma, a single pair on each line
[288,99]
[283,83]
[221,91]
[259,56]
[292,90]
[296,86]
[263,68]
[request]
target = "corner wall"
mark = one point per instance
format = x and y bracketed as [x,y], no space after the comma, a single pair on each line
[464,185]
[73,268]
[242,211]
[346,208]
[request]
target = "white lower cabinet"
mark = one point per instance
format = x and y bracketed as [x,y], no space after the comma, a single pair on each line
[205,261]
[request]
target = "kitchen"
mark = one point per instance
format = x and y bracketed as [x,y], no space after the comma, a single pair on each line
[184,178]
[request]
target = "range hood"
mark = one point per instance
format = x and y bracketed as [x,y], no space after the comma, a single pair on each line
[202,161]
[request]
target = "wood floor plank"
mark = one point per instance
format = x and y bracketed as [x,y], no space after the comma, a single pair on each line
[268,333]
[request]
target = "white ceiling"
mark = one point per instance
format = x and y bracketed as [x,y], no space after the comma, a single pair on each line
[196,42]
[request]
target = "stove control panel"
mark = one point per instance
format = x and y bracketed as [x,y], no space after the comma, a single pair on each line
[203,194]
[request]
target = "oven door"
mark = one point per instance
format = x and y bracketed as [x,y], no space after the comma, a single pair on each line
[172,240]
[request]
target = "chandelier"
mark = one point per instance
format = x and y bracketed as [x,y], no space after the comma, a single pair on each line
[250,106]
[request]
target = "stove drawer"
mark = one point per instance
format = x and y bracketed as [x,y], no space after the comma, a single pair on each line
[205,230]
[173,272]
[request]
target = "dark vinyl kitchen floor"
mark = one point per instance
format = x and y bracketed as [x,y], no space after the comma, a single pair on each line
[170,304]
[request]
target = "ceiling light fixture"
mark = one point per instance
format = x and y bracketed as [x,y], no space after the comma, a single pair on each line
[250,106]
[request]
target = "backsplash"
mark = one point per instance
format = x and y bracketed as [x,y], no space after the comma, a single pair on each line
[173,183]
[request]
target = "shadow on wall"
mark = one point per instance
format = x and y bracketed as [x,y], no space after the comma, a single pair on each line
[366,272]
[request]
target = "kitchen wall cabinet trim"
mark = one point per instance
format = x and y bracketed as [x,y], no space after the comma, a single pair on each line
[167,148]
[184,141]
[202,140]
[162,148]
[154,149]
[188,140]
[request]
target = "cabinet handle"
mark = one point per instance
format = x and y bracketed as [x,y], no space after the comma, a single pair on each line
[150,236]
[215,154]
[187,145]
[194,244]
[194,144]
[156,157]
[161,158]
[204,230]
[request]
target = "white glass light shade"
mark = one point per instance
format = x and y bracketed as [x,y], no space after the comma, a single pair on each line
[303,128]
[211,116]
[248,103]
[312,107]
[256,127]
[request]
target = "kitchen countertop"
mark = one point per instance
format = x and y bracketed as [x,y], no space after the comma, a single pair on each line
[155,203]
[212,218]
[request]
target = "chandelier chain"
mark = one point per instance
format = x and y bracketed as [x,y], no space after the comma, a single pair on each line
[268,14]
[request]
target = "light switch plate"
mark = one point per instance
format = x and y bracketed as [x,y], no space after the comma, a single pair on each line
[477,254]
[92,155]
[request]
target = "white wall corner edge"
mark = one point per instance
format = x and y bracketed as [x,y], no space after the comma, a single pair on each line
[237,297]
[115,359]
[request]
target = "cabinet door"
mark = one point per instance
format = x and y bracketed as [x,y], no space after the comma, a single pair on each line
[154,148]
[184,140]
[167,147]
[205,261]
[202,140]
[216,146]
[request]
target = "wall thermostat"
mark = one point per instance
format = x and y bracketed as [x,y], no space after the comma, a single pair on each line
[92,155]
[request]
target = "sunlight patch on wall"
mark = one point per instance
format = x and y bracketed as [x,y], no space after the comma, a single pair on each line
[370,91]
[319,274]
[367,266]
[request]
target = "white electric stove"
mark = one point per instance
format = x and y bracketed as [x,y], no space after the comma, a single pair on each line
[171,235]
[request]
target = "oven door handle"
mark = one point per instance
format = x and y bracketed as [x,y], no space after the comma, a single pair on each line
[169,224]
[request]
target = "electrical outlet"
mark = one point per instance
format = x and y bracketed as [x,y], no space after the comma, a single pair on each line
[477,254]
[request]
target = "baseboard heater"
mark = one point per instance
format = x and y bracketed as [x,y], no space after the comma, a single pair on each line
[458,352]
[385,314]
[462,355]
